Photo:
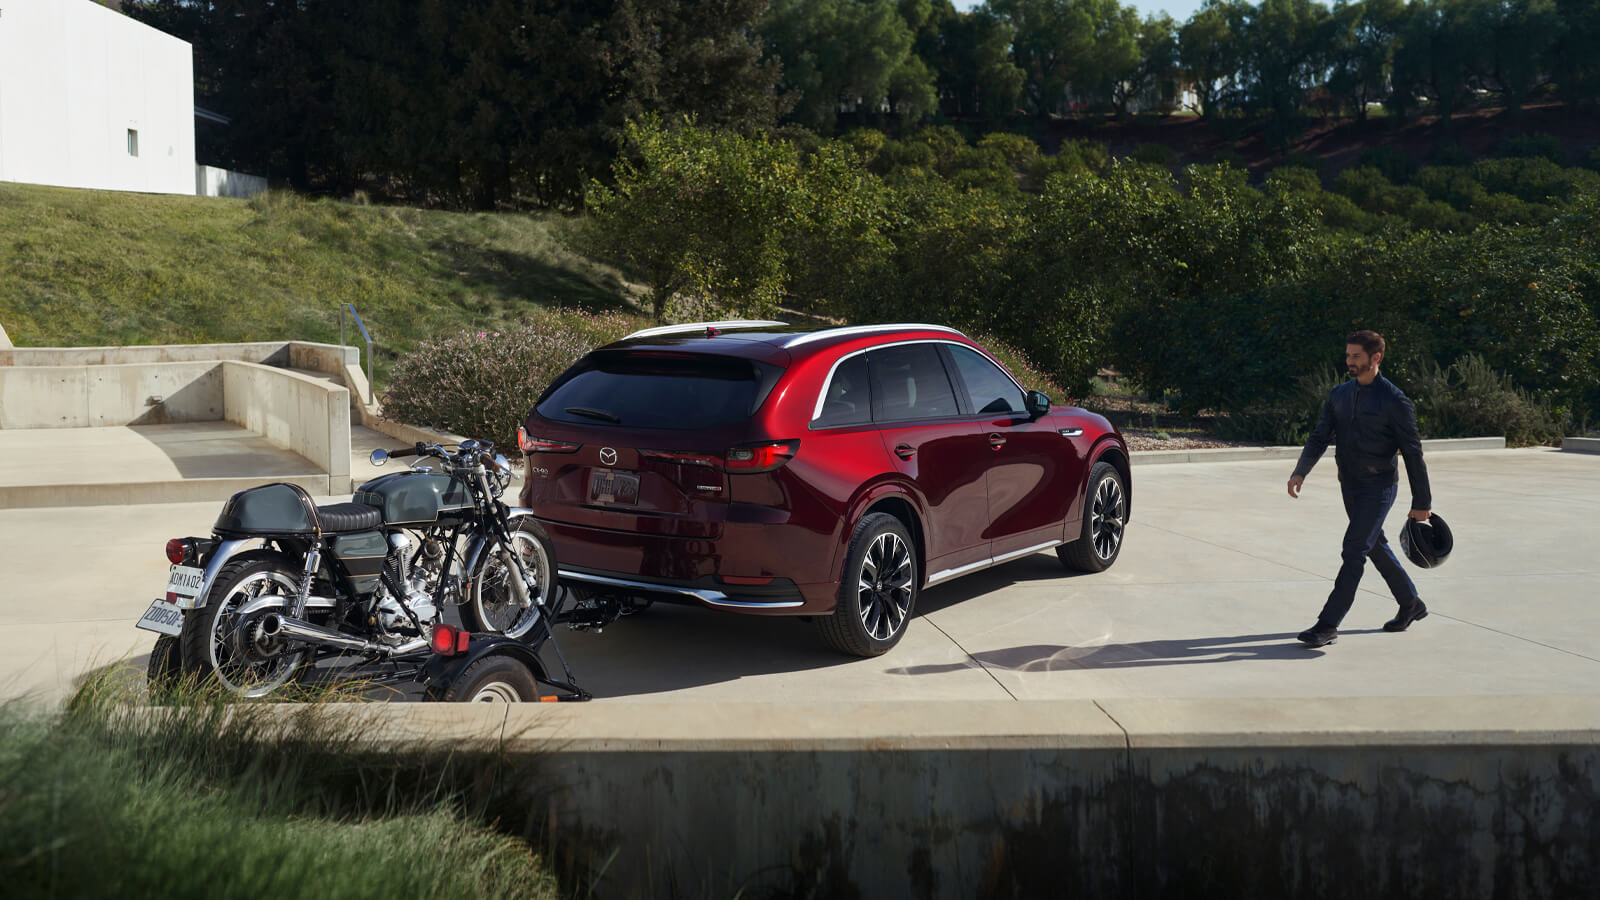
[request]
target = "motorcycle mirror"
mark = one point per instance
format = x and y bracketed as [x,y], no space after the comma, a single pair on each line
[379,457]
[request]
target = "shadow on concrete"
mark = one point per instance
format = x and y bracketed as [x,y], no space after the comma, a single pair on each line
[1142,654]
[222,450]
[1038,567]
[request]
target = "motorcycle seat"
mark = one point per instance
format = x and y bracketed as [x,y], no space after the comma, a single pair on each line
[341,518]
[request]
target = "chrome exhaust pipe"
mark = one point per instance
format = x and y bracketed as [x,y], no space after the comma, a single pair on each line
[277,625]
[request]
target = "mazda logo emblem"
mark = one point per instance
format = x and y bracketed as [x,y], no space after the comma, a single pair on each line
[608,456]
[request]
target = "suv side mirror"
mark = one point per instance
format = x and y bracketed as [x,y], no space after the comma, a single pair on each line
[1038,405]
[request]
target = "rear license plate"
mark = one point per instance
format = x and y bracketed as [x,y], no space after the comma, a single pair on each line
[163,618]
[183,585]
[613,487]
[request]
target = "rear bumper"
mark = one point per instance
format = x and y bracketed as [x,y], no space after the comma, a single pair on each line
[690,570]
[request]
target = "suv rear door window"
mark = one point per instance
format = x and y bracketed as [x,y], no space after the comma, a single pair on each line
[989,389]
[678,391]
[909,382]
[848,400]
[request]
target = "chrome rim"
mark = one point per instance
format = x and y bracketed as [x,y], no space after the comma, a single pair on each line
[496,692]
[492,596]
[884,586]
[251,678]
[1106,518]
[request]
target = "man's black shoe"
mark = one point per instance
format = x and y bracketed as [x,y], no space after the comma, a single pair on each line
[1406,616]
[1319,636]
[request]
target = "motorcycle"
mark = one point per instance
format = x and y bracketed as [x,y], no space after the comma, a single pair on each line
[283,584]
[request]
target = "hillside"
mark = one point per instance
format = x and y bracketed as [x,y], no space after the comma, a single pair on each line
[95,267]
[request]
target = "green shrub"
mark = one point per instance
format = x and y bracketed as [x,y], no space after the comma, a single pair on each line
[1471,399]
[1396,165]
[481,384]
[1451,154]
[1594,159]
[1288,422]
[1300,159]
[1157,155]
[1229,157]
[1031,376]
[1533,146]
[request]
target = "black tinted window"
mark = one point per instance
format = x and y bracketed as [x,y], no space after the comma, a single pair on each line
[910,383]
[989,389]
[658,391]
[847,399]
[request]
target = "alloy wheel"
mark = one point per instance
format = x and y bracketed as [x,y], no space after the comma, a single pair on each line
[884,586]
[1107,518]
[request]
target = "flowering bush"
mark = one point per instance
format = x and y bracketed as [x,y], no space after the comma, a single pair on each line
[1026,372]
[481,383]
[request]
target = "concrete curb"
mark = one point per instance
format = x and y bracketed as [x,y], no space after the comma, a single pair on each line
[1243,454]
[188,490]
[1581,445]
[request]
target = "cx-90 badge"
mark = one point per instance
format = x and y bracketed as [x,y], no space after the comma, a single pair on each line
[608,456]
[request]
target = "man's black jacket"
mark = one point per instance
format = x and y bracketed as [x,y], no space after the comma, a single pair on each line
[1370,423]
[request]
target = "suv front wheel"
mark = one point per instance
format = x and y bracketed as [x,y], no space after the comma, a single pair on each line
[877,589]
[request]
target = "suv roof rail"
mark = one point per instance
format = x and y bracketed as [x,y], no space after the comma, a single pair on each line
[701,326]
[864,329]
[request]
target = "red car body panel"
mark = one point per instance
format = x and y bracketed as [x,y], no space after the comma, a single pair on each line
[976,487]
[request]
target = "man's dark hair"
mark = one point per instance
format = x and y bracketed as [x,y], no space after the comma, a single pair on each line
[1371,342]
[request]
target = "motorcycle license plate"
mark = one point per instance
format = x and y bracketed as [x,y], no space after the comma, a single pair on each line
[613,487]
[163,618]
[183,585]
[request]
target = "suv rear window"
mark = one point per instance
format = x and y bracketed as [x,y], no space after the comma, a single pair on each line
[659,390]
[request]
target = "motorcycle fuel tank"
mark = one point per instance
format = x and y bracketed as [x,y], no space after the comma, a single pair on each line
[269,509]
[416,497]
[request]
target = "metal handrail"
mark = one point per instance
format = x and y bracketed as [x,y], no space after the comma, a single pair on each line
[371,387]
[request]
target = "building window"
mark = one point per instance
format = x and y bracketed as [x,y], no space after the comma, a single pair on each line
[133,142]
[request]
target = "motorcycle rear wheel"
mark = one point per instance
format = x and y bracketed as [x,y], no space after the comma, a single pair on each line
[212,643]
[491,604]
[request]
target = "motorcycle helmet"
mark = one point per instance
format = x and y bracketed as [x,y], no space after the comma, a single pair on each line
[1428,544]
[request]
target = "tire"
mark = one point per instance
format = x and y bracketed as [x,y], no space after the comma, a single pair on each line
[494,679]
[165,672]
[877,589]
[490,605]
[1105,515]
[211,643]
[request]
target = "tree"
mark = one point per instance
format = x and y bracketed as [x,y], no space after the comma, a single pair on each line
[1361,47]
[1522,36]
[1208,53]
[1280,45]
[847,51]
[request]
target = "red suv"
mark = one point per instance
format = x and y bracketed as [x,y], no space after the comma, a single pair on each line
[752,467]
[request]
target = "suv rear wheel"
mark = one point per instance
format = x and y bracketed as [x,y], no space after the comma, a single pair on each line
[877,589]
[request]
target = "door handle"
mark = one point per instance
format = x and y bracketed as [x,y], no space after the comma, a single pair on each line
[997,441]
[905,451]
[1070,432]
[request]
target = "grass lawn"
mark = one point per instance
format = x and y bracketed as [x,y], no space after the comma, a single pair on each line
[218,800]
[86,268]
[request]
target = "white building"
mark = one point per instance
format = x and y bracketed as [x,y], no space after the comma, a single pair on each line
[90,98]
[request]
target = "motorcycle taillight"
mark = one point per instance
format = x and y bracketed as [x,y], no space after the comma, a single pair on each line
[177,551]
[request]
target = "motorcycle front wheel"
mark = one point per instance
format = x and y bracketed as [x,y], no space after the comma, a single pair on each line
[493,597]
[220,644]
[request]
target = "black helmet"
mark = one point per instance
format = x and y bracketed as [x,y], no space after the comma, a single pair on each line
[1428,544]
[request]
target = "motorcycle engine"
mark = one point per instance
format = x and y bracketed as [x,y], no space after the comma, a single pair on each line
[410,583]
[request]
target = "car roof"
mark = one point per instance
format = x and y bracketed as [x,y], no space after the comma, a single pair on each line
[761,339]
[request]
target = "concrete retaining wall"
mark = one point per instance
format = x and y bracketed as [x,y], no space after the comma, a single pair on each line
[86,396]
[1461,797]
[1247,454]
[329,358]
[293,411]
[210,181]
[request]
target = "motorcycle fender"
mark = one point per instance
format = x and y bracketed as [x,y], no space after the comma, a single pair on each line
[225,551]
[440,671]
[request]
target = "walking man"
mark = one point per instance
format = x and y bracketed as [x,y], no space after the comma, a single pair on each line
[1371,421]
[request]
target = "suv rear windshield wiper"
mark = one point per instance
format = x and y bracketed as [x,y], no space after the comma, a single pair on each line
[588,413]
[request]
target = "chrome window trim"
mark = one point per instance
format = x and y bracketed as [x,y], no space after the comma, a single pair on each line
[690,327]
[863,329]
[816,410]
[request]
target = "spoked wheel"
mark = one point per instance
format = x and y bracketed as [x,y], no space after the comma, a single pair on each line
[1105,516]
[494,679]
[495,598]
[223,640]
[877,590]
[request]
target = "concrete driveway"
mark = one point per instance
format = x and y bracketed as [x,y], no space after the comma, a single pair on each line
[1219,571]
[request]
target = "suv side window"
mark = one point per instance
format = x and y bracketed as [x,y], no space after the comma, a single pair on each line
[848,400]
[910,382]
[989,389]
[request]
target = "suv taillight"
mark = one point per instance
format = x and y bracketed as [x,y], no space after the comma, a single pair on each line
[766,457]
[531,444]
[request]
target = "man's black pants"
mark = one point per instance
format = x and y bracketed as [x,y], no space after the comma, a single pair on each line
[1366,506]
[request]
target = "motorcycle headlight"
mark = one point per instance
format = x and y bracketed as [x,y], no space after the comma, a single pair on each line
[502,471]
